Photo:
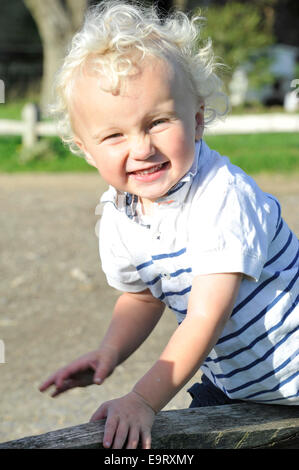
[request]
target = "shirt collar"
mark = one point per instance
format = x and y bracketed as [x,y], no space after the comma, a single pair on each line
[179,191]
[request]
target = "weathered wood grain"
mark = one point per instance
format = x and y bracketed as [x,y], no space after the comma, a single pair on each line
[240,426]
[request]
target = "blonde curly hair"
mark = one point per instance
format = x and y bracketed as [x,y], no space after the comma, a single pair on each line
[116,36]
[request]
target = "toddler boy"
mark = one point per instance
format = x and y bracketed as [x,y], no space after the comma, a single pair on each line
[181,226]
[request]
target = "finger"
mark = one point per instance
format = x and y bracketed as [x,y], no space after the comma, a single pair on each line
[56,379]
[75,368]
[133,438]
[63,384]
[110,429]
[93,364]
[146,439]
[121,435]
[67,385]
[101,373]
[63,375]
[50,381]
[101,413]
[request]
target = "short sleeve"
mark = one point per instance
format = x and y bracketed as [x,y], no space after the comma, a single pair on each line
[231,229]
[115,259]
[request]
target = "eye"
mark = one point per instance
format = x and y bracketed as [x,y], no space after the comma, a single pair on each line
[157,122]
[159,125]
[113,136]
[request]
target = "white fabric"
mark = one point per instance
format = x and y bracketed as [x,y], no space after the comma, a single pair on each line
[217,220]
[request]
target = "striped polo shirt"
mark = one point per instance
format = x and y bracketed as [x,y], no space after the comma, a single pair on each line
[216,220]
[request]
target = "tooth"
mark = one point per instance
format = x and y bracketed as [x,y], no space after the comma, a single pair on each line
[150,170]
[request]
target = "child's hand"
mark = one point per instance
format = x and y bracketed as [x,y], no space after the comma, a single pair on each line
[91,368]
[127,418]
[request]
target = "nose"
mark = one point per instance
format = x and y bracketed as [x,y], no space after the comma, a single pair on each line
[141,147]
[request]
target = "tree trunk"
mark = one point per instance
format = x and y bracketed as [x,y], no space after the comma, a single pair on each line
[57,21]
[180,4]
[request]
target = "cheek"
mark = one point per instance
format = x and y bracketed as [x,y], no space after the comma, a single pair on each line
[110,163]
[181,144]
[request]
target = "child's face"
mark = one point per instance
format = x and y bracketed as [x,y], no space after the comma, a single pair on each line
[141,140]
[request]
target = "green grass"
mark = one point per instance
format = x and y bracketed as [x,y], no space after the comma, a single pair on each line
[256,153]
[253,153]
[12,109]
[53,156]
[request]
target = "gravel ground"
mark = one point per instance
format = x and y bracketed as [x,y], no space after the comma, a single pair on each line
[54,301]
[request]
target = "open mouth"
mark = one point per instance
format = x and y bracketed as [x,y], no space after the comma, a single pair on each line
[149,171]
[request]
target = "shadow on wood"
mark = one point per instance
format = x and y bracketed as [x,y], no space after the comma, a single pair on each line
[240,426]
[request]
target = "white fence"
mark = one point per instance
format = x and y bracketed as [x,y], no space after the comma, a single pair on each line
[2,91]
[256,123]
[30,128]
[2,352]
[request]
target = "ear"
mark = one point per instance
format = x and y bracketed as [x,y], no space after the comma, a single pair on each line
[199,122]
[90,159]
[87,155]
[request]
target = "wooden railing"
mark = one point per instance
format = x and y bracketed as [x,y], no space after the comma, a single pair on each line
[240,426]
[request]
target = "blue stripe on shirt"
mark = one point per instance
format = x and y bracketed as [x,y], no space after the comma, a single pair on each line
[278,229]
[260,379]
[259,338]
[261,314]
[263,285]
[278,207]
[183,311]
[161,256]
[254,293]
[144,265]
[280,252]
[260,359]
[175,274]
[181,292]
[169,255]
[278,386]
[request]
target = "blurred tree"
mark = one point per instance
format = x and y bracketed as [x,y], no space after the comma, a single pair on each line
[57,21]
[286,22]
[20,50]
[283,15]
[238,30]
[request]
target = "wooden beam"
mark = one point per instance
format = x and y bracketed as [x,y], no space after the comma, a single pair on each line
[240,426]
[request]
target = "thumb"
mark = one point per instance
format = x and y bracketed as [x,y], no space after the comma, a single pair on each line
[102,372]
[100,413]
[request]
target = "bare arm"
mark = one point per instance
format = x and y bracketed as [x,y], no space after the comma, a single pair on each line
[134,317]
[211,301]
